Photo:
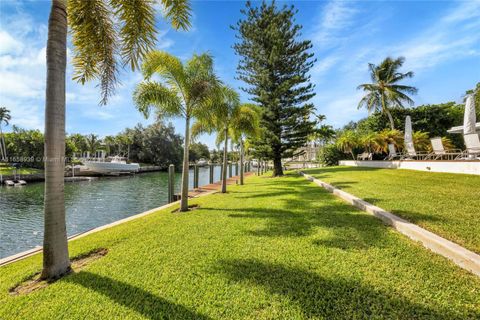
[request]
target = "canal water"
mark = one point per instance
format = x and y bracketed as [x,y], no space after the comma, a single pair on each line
[89,204]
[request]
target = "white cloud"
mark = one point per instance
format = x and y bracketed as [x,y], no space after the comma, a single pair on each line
[454,36]
[335,17]
[8,44]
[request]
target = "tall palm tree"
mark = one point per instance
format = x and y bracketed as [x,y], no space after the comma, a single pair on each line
[4,118]
[384,92]
[185,91]
[244,124]
[98,45]
[230,120]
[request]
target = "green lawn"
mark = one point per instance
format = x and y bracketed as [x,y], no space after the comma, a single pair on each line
[278,248]
[446,204]
[10,170]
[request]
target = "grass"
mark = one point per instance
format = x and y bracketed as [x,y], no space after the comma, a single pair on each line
[446,204]
[5,170]
[277,248]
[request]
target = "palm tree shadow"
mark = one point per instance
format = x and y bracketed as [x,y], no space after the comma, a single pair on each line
[319,297]
[134,298]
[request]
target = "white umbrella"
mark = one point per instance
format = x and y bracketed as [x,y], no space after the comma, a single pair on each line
[469,118]
[408,130]
[409,136]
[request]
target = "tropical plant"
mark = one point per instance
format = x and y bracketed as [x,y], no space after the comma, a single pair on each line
[369,141]
[79,142]
[386,137]
[329,155]
[4,118]
[186,91]
[156,144]
[230,119]
[244,124]
[93,143]
[322,133]
[347,141]
[421,141]
[103,32]
[384,92]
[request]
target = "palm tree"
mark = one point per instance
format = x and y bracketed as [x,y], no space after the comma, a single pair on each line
[93,143]
[244,124]
[384,92]
[348,141]
[98,45]
[223,104]
[4,118]
[186,91]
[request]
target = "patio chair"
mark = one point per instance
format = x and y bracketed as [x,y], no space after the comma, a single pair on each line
[439,151]
[365,156]
[412,154]
[472,142]
[392,153]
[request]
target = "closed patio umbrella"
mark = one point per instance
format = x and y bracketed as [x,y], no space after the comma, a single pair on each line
[408,133]
[469,118]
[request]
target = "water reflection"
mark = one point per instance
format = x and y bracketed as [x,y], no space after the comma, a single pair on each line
[89,204]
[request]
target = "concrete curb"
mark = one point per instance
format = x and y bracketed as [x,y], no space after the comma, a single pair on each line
[462,257]
[31,252]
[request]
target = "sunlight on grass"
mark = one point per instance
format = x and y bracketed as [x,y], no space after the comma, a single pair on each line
[444,203]
[278,248]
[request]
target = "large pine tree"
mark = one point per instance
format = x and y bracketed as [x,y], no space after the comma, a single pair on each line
[274,64]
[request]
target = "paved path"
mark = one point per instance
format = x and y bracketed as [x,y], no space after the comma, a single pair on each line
[215,186]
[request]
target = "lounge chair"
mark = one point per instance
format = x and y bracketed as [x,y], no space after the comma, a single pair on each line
[392,153]
[412,154]
[472,142]
[439,151]
[365,156]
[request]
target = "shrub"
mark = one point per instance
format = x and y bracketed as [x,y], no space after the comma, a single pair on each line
[329,155]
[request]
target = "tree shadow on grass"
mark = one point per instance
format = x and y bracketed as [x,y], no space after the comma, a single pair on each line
[336,298]
[347,230]
[134,298]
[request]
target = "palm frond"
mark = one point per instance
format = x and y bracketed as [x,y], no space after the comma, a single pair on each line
[150,94]
[137,32]
[178,12]
[95,44]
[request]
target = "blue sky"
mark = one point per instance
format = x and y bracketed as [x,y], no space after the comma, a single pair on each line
[440,41]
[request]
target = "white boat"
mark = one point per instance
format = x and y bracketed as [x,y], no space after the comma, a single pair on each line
[15,183]
[116,165]
[202,162]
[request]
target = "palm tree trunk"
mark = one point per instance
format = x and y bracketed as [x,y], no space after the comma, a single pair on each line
[225,163]
[389,115]
[55,245]
[3,149]
[241,162]
[185,169]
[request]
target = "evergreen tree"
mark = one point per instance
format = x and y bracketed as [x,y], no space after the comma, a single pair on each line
[275,64]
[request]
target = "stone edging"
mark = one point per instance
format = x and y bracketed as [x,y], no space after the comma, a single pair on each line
[31,252]
[462,257]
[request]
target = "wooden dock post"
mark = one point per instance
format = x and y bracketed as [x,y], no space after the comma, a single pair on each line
[195,176]
[212,167]
[171,182]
